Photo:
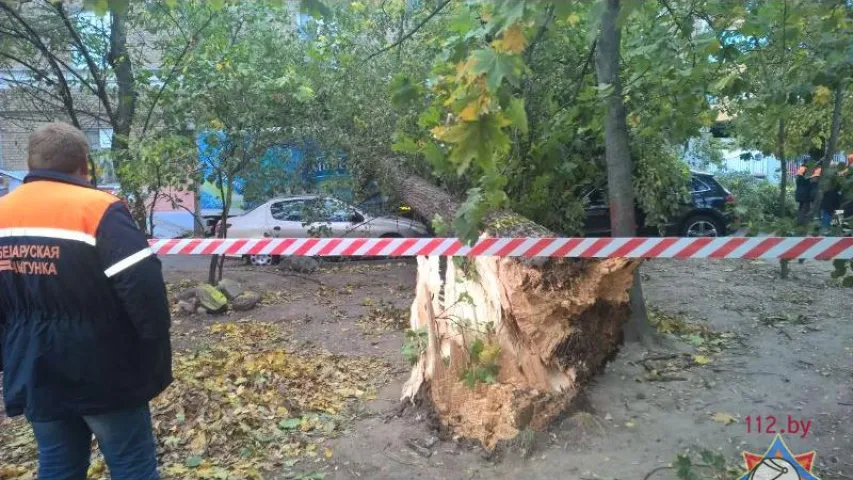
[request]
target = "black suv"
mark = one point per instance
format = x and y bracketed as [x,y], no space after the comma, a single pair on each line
[708,215]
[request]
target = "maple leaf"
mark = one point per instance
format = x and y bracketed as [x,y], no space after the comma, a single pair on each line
[512,40]
[470,112]
[496,67]
[475,141]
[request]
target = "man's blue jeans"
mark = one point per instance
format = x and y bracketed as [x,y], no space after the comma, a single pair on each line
[125,438]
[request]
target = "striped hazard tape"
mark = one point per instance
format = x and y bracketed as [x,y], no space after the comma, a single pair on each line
[818,248]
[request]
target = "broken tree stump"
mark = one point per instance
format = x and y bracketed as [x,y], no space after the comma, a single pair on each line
[509,342]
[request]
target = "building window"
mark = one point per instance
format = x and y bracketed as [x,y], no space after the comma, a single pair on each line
[100,141]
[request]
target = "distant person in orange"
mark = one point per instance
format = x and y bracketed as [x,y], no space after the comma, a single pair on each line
[803,192]
[84,318]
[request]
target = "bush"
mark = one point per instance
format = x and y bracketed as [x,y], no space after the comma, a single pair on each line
[757,199]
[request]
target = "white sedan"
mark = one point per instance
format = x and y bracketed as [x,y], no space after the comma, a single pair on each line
[306,216]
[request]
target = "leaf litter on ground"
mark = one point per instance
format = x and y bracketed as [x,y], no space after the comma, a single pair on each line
[238,408]
[706,341]
[382,317]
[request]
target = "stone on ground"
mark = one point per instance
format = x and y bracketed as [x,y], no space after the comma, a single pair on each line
[188,306]
[246,301]
[231,288]
[301,264]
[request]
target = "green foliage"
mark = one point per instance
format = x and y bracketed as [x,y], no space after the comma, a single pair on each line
[161,167]
[414,344]
[843,272]
[778,63]
[757,199]
[242,86]
[711,466]
[482,363]
[660,185]
[496,101]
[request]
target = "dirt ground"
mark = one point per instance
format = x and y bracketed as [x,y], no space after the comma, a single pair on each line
[743,343]
[788,351]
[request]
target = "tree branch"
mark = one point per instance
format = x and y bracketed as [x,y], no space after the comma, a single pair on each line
[97,74]
[34,39]
[408,35]
[540,34]
[190,44]
[589,57]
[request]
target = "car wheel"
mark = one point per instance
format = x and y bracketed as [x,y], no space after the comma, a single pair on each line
[702,226]
[261,260]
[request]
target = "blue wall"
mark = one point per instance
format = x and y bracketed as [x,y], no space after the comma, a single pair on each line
[289,158]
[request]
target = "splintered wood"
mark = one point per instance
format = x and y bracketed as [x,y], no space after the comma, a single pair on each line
[537,332]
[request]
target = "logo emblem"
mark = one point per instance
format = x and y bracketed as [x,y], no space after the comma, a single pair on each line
[778,463]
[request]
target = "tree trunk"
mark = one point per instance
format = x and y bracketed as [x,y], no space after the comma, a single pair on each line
[617,155]
[198,224]
[508,343]
[784,265]
[119,58]
[783,166]
[832,146]
[617,149]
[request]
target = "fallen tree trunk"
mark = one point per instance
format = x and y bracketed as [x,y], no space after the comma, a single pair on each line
[505,344]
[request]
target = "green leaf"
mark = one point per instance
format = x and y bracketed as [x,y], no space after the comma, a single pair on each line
[440,225]
[840,268]
[684,468]
[475,142]
[289,423]
[496,67]
[193,462]
[509,12]
[315,8]
[469,216]
[432,152]
[100,7]
[517,114]
[304,93]
[476,349]
[405,144]
[847,282]
[429,117]
[403,91]
[625,11]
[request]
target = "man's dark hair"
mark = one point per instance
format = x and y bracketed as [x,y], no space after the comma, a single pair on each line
[60,147]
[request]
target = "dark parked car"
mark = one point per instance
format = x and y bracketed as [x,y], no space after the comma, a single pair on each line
[707,215]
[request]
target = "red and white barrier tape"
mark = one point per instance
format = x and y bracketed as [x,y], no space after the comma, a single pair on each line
[818,248]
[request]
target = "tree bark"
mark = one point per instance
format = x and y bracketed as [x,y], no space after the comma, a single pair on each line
[617,153]
[617,148]
[122,119]
[783,166]
[784,265]
[527,334]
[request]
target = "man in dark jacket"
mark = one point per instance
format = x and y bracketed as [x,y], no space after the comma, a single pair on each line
[84,319]
[831,201]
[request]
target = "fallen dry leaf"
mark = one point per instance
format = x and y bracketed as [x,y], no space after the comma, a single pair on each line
[724,418]
[243,404]
[702,359]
